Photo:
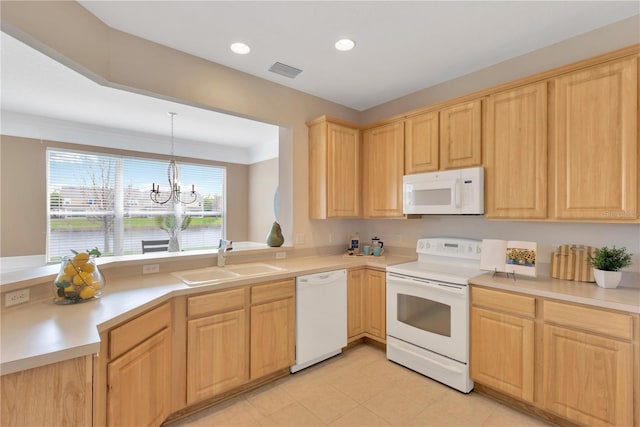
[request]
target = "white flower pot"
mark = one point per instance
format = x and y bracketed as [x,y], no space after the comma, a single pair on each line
[607,279]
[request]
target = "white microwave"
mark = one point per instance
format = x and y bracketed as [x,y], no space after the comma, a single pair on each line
[459,191]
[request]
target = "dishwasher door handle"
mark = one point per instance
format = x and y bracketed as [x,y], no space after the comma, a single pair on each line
[321,278]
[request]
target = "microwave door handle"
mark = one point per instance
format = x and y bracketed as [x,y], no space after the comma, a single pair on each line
[457,195]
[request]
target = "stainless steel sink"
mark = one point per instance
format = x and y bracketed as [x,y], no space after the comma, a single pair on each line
[209,275]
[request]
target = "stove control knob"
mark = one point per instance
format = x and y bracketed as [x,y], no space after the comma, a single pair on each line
[478,249]
[427,245]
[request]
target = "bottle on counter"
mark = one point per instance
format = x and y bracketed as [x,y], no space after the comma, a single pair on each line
[355,243]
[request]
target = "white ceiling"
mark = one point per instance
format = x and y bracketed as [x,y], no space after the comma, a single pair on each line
[42,98]
[401,46]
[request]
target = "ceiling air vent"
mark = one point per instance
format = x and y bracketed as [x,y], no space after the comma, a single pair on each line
[285,70]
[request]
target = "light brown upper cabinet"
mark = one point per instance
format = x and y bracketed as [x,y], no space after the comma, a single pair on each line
[334,169]
[383,170]
[461,135]
[421,143]
[515,153]
[594,142]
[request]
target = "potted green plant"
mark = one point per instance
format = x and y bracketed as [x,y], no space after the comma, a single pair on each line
[173,225]
[607,263]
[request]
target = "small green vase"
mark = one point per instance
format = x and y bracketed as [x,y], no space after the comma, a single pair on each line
[275,238]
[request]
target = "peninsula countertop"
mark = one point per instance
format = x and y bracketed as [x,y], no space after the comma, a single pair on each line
[41,332]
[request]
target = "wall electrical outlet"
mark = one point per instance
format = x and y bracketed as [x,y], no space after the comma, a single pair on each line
[299,238]
[17,297]
[150,268]
[281,255]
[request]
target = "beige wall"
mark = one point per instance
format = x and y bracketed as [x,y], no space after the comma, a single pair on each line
[263,181]
[70,34]
[23,211]
[23,187]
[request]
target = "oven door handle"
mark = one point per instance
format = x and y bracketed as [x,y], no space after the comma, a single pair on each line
[440,287]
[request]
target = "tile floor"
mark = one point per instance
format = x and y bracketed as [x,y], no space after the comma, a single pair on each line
[358,388]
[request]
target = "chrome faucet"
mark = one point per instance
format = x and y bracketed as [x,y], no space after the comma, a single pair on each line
[223,247]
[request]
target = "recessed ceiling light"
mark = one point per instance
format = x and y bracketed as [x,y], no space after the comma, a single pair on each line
[345,44]
[240,48]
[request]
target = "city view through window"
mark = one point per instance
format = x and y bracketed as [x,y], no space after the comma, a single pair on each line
[99,200]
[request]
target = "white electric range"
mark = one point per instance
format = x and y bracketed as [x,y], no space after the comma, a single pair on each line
[428,310]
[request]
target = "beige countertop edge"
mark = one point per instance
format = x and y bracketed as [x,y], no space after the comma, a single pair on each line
[622,298]
[37,334]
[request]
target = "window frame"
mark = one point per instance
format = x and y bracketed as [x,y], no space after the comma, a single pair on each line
[137,156]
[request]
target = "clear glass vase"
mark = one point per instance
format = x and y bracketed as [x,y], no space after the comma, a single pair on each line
[79,280]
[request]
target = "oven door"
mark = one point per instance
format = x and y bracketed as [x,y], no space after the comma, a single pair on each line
[429,314]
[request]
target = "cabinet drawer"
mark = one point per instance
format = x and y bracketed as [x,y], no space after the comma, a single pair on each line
[617,325]
[127,336]
[516,304]
[216,302]
[273,291]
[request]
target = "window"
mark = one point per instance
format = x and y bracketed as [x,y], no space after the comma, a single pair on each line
[100,200]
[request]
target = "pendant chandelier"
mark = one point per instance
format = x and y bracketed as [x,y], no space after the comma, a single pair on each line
[174,194]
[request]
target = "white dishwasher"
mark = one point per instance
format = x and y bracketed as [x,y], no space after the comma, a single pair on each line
[321,317]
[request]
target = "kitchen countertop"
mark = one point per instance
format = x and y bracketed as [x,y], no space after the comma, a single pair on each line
[620,298]
[41,332]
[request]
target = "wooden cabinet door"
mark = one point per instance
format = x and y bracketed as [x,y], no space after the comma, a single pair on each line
[383,170]
[588,378]
[272,337]
[421,143]
[355,303]
[376,302]
[461,135]
[595,143]
[502,352]
[516,153]
[343,171]
[334,170]
[139,384]
[58,394]
[217,354]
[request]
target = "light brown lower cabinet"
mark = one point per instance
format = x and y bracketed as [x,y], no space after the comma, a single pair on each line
[54,394]
[571,361]
[366,304]
[139,371]
[502,354]
[355,304]
[376,303]
[217,343]
[273,312]
[139,384]
[143,375]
